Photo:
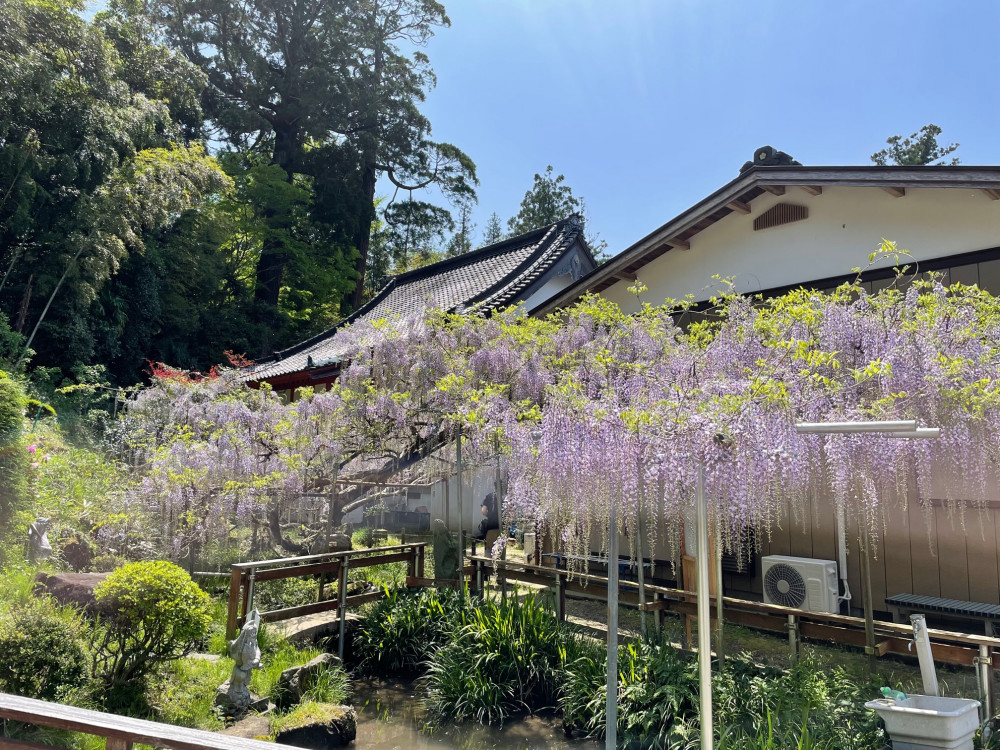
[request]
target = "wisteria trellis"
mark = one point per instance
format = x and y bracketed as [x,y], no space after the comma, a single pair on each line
[596,407]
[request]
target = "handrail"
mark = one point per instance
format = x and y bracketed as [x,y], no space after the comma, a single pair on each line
[682,596]
[121,731]
[325,556]
[244,575]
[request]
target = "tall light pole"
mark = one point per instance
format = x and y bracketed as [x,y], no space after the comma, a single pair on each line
[906,429]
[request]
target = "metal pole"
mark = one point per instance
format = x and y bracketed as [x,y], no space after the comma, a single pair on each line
[866,598]
[985,665]
[720,645]
[640,532]
[458,466]
[611,734]
[343,608]
[704,627]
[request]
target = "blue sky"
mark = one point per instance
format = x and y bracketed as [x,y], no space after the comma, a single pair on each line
[647,106]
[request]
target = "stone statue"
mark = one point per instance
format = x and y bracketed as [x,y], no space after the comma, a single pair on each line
[38,540]
[446,554]
[234,696]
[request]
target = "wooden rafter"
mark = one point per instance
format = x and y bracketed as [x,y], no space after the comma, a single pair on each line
[895,192]
[682,244]
[626,276]
[774,189]
[993,195]
[739,207]
[812,189]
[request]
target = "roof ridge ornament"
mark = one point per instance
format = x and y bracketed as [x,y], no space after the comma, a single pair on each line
[768,156]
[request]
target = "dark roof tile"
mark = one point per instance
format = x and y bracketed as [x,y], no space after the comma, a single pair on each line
[491,277]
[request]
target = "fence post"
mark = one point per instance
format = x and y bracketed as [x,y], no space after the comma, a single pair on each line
[421,550]
[479,577]
[117,743]
[560,599]
[793,636]
[342,609]
[411,564]
[235,583]
[659,614]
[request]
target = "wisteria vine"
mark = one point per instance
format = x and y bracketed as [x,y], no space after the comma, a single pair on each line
[593,407]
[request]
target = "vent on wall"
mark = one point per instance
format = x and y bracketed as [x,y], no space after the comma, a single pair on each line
[780,213]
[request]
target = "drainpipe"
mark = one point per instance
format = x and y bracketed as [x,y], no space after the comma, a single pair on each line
[842,559]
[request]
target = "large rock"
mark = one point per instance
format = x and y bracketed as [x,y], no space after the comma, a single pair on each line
[70,588]
[337,727]
[340,543]
[254,727]
[295,681]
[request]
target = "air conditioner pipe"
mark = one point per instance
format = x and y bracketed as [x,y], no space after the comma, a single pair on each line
[842,559]
[924,655]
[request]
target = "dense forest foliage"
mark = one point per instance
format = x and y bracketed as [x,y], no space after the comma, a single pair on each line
[179,178]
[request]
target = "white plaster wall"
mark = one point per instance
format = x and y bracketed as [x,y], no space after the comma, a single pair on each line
[441,500]
[548,290]
[845,224]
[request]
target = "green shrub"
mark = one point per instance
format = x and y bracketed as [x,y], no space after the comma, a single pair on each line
[14,456]
[284,592]
[506,657]
[279,654]
[399,633]
[806,707]
[40,655]
[152,612]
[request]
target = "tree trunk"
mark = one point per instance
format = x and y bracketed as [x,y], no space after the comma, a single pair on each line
[25,301]
[273,257]
[364,237]
[274,530]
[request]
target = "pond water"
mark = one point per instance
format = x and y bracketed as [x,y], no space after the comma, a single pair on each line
[391,717]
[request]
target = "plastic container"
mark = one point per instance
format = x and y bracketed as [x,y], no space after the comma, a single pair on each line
[928,722]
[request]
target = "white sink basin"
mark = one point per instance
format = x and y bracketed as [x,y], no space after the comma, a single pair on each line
[928,722]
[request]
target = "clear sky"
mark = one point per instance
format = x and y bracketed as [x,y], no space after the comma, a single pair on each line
[647,106]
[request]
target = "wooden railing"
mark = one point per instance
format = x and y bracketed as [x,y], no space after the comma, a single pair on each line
[950,647]
[120,732]
[245,576]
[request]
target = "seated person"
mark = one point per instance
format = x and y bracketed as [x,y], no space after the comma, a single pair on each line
[491,516]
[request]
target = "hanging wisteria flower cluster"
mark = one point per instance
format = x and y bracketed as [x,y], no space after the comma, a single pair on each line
[594,407]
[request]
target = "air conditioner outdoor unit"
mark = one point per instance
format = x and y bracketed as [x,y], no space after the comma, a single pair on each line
[801,582]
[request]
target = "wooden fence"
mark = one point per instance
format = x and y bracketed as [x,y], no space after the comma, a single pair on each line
[964,649]
[120,732]
[245,576]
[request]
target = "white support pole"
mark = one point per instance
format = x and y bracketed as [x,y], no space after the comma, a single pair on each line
[704,625]
[611,733]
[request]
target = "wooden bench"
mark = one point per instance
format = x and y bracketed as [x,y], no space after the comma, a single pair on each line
[624,565]
[904,604]
[120,731]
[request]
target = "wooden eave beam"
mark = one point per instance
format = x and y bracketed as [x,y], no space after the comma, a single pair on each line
[626,276]
[774,189]
[682,244]
[739,207]
[895,192]
[992,194]
[812,189]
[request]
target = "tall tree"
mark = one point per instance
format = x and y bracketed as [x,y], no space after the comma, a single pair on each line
[89,163]
[461,241]
[287,77]
[493,232]
[392,136]
[549,200]
[920,149]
